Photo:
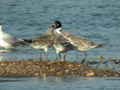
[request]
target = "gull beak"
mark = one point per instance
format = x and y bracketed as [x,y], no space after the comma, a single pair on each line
[53,26]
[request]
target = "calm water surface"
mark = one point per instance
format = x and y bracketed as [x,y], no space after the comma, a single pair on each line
[96,20]
[52,83]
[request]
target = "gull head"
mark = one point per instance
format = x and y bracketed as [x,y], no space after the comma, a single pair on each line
[50,30]
[57,24]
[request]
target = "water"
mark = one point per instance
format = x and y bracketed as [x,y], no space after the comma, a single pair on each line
[51,83]
[96,20]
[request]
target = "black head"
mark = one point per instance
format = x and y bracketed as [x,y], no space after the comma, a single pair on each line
[58,24]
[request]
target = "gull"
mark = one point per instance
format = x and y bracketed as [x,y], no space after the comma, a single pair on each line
[81,44]
[8,42]
[61,45]
[44,42]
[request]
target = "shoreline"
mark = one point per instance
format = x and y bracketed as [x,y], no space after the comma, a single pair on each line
[37,68]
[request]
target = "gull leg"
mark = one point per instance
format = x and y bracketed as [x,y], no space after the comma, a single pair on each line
[84,59]
[47,56]
[76,58]
[59,56]
[40,55]
[64,58]
[46,52]
[56,57]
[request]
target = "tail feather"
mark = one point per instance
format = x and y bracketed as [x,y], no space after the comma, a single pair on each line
[23,42]
[99,45]
[27,40]
[95,45]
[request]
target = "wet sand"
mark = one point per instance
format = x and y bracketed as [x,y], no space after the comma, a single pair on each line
[37,68]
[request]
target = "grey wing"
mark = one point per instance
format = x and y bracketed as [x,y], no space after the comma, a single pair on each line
[79,41]
[87,44]
[37,42]
[63,41]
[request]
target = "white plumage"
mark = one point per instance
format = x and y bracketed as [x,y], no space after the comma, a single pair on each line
[9,42]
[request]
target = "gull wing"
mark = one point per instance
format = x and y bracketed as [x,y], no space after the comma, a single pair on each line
[61,40]
[8,38]
[42,40]
[82,42]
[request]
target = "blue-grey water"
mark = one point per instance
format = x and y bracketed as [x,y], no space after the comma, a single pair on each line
[96,20]
[52,83]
